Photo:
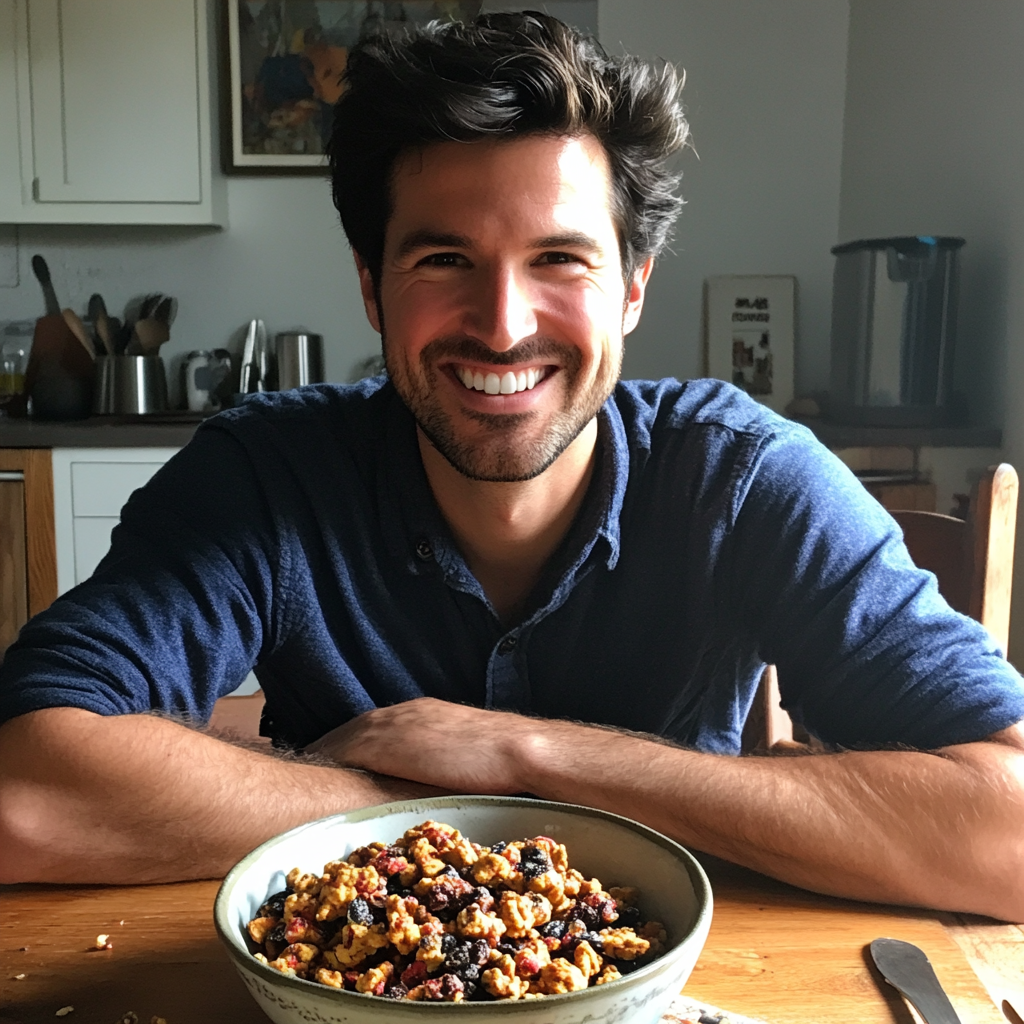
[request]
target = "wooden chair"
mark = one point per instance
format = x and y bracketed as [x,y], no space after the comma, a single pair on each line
[973,562]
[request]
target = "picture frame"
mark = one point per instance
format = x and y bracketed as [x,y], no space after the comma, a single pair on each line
[283,67]
[749,335]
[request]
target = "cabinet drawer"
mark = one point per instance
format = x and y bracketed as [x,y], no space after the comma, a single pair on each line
[92,542]
[102,488]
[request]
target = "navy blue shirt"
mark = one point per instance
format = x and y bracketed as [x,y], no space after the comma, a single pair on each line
[298,534]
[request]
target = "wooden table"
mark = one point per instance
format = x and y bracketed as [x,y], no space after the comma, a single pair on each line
[774,952]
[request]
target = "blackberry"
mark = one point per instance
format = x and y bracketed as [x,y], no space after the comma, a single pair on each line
[470,973]
[276,934]
[534,861]
[396,888]
[553,929]
[499,847]
[468,987]
[629,917]
[359,912]
[397,991]
[590,916]
[274,905]
[448,943]
[482,895]
[457,960]
[479,952]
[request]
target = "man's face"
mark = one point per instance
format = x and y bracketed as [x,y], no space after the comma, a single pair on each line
[503,300]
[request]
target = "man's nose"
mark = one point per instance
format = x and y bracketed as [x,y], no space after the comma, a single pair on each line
[503,311]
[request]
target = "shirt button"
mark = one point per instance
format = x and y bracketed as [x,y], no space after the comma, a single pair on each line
[424,552]
[507,646]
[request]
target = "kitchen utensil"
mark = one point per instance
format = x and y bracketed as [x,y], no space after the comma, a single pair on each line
[612,848]
[1011,1013]
[300,359]
[148,304]
[894,306]
[59,378]
[74,321]
[148,335]
[101,322]
[42,272]
[907,969]
[204,373]
[130,385]
[166,310]
[253,358]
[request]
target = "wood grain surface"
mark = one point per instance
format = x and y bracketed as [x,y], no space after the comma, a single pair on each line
[774,952]
[41,544]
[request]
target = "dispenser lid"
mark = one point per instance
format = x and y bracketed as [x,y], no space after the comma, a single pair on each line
[901,243]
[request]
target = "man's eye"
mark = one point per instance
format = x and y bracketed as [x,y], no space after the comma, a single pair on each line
[558,257]
[443,259]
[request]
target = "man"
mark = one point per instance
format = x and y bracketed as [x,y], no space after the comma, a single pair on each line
[501,528]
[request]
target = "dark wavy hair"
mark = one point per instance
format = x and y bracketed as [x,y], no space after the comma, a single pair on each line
[505,75]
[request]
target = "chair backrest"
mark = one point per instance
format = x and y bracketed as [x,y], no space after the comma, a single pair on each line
[973,563]
[972,559]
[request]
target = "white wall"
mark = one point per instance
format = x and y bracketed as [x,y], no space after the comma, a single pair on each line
[764,93]
[934,144]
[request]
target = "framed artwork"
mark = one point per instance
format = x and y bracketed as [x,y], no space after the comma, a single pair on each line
[749,330]
[284,67]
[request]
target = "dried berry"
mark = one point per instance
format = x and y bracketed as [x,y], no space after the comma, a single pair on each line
[482,896]
[534,861]
[276,934]
[359,912]
[581,911]
[553,929]
[274,905]
[397,991]
[629,917]
[499,847]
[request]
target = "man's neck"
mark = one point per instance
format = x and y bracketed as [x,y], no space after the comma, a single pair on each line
[508,531]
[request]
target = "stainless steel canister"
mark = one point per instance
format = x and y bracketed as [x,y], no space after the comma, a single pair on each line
[130,385]
[894,303]
[300,359]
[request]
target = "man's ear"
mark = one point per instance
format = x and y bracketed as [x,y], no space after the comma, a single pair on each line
[635,295]
[368,291]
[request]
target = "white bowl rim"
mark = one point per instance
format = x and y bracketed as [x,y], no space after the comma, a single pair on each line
[245,959]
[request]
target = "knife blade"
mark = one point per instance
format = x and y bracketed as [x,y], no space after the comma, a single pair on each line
[250,367]
[909,971]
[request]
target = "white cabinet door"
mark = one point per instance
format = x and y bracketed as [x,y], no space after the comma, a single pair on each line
[115,101]
[106,113]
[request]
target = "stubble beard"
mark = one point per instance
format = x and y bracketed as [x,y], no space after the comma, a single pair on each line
[504,450]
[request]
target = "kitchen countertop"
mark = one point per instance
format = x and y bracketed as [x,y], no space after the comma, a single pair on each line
[167,430]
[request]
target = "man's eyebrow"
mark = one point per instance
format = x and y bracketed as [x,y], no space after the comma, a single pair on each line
[427,239]
[570,240]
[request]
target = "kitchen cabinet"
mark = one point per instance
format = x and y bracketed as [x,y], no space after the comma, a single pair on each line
[28,565]
[106,113]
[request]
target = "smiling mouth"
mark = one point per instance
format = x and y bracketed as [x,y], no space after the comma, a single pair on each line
[507,383]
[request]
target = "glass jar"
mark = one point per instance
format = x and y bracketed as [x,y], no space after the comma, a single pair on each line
[15,342]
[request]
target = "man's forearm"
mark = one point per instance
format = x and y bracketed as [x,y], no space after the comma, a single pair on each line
[87,798]
[943,831]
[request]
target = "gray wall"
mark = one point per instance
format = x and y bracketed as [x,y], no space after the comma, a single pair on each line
[764,93]
[934,144]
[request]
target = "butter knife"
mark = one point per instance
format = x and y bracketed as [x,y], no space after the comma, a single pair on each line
[909,971]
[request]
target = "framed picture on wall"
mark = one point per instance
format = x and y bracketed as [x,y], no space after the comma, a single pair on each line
[749,332]
[284,69]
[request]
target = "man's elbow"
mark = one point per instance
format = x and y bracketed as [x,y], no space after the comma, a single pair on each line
[25,836]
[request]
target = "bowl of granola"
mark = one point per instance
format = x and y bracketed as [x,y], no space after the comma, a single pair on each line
[467,908]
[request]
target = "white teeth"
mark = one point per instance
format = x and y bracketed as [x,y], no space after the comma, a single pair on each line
[508,383]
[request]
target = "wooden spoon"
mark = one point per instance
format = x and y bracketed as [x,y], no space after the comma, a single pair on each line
[150,334]
[74,321]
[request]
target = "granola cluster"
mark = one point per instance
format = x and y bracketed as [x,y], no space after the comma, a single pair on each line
[436,917]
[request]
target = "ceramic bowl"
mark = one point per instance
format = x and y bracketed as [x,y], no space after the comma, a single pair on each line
[618,851]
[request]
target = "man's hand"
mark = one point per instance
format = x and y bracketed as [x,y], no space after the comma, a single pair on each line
[458,748]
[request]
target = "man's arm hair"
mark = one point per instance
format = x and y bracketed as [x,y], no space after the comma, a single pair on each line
[88,798]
